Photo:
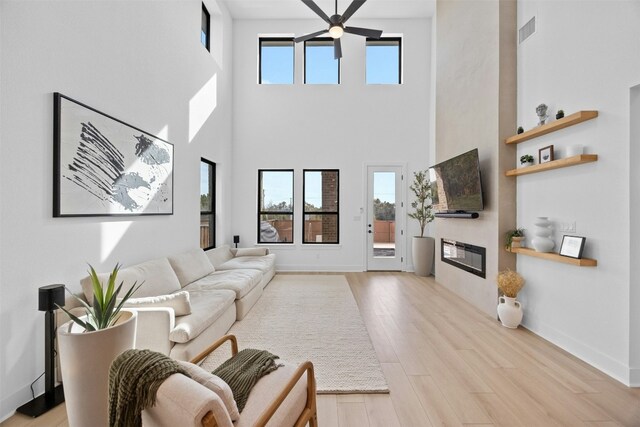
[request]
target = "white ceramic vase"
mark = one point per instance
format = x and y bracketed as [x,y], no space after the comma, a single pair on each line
[509,312]
[422,250]
[542,241]
[85,359]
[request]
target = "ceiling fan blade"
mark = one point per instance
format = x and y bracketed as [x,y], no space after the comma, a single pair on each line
[367,32]
[309,36]
[337,49]
[311,4]
[355,5]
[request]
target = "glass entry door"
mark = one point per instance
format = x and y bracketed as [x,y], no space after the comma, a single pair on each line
[384,234]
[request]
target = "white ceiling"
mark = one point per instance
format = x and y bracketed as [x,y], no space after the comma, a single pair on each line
[295,9]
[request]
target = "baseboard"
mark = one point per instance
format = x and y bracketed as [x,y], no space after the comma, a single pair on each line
[9,404]
[616,370]
[634,377]
[314,268]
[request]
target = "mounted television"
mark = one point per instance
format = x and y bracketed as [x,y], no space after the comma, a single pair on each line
[456,185]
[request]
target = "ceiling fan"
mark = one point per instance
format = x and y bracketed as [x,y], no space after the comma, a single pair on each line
[336,25]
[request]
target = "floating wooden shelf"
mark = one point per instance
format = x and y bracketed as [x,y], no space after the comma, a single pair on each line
[573,119]
[555,164]
[551,256]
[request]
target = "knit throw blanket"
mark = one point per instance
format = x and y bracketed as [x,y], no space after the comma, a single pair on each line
[134,379]
[244,370]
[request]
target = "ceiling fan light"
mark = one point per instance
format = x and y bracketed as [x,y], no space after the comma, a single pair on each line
[336,31]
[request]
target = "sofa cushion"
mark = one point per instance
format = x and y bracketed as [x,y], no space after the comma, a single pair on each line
[215,384]
[157,275]
[240,281]
[179,301]
[262,263]
[190,266]
[219,255]
[250,251]
[206,308]
[262,395]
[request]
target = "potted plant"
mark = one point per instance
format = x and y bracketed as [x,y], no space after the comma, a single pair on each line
[422,248]
[509,310]
[89,343]
[559,114]
[526,160]
[520,130]
[513,238]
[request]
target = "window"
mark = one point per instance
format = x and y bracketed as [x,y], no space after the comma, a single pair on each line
[276,61]
[205,28]
[321,199]
[384,60]
[320,67]
[275,206]
[207,204]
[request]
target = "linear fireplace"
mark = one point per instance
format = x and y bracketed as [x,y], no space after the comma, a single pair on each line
[465,256]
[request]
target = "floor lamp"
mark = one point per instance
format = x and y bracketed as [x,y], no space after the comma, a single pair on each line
[48,297]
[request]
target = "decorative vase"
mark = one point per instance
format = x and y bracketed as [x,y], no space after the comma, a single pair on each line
[527,164]
[85,359]
[516,242]
[509,312]
[542,241]
[423,250]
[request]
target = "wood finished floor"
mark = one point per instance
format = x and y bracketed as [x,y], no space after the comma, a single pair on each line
[446,363]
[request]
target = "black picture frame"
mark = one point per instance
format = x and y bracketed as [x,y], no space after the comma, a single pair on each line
[572,246]
[104,166]
[545,154]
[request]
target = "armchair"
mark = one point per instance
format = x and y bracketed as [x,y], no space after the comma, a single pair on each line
[285,397]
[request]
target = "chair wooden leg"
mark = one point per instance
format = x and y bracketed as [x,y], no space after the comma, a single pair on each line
[313,421]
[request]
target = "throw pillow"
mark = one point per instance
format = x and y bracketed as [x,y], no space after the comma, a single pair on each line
[215,384]
[179,302]
[251,252]
[191,266]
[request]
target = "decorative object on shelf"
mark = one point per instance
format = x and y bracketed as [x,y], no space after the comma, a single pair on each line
[509,309]
[545,154]
[541,111]
[575,150]
[513,238]
[134,175]
[88,344]
[422,248]
[542,242]
[559,114]
[520,130]
[526,160]
[572,246]
[571,120]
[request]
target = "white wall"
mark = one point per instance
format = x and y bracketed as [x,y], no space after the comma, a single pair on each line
[141,62]
[583,56]
[327,126]
[634,235]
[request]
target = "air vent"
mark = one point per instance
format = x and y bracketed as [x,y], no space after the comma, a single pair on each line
[527,30]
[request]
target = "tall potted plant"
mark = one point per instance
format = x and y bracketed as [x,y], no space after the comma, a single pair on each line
[88,344]
[422,248]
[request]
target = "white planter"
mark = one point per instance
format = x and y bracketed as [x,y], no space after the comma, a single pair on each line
[510,312]
[422,251]
[85,358]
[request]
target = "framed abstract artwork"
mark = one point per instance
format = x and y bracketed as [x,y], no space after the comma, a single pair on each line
[106,167]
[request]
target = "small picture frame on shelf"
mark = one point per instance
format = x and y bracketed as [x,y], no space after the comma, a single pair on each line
[545,154]
[572,246]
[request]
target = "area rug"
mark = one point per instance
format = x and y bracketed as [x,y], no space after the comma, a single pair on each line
[312,317]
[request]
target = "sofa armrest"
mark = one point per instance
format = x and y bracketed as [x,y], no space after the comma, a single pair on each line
[181,401]
[154,326]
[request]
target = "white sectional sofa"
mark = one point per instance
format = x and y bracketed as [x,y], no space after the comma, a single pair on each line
[191,299]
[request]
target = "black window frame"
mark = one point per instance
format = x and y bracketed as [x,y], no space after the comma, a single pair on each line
[319,39]
[212,212]
[205,19]
[292,212]
[277,39]
[336,213]
[383,39]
